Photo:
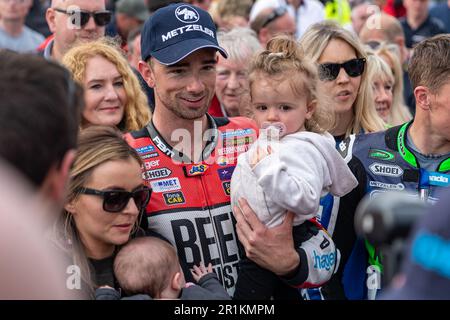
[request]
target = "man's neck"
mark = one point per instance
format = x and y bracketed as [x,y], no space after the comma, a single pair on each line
[427,140]
[182,134]
[12,27]
[416,22]
[343,120]
[56,53]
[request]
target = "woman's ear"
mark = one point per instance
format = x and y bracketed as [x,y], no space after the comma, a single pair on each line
[70,207]
[310,109]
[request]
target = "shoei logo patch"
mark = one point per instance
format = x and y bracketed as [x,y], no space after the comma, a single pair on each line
[386,170]
[187,14]
[156,174]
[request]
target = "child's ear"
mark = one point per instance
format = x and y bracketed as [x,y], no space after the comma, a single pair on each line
[310,109]
[177,283]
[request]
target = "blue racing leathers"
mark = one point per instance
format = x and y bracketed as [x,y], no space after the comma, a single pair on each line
[381,162]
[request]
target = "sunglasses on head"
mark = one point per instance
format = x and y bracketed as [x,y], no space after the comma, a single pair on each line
[117,200]
[81,17]
[330,71]
[376,45]
[275,14]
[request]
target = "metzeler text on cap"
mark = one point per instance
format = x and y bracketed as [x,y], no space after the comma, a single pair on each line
[177,30]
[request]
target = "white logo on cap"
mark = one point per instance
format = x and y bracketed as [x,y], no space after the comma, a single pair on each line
[187,14]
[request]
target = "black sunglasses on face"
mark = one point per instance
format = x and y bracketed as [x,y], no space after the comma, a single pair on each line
[81,17]
[330,71]
[117,200]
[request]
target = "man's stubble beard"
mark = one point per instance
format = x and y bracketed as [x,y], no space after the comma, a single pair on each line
[185,113]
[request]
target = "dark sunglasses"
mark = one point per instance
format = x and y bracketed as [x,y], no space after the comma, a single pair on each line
[330,71]
[117,200]
[275,14]
[81,17]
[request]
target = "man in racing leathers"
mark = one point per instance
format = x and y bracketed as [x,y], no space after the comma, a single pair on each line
[413,157]
[189,156]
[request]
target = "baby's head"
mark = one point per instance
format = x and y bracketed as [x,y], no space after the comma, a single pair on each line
[149,265]
[283,86]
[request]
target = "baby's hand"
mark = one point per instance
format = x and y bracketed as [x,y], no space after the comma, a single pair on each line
[259,154]
[201,271]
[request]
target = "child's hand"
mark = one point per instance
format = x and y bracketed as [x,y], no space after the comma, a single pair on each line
[259,154]
[201,271]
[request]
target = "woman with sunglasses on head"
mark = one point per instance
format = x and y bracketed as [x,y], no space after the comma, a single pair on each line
[113,95]
[105,199]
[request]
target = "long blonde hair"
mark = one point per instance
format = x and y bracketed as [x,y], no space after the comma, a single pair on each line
[137,113]
[96,145]
[314,41]
[284,59]
[379,69]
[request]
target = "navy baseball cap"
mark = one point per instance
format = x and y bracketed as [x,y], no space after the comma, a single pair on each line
[177,30]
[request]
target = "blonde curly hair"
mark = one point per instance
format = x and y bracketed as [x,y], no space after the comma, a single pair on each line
[284,59]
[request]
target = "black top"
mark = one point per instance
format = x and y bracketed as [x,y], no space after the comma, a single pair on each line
[430,27]
[103,272]
[441,11]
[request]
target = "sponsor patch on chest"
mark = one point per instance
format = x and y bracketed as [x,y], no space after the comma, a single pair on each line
[388,186]
[165,185]
[381,155]
[173,198]
[156,174]
[388,170]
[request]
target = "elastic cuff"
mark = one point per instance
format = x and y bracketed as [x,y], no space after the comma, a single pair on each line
[107,294]
[206,277]
[299,276]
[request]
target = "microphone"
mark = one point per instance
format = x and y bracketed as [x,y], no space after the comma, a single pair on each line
[387,216]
